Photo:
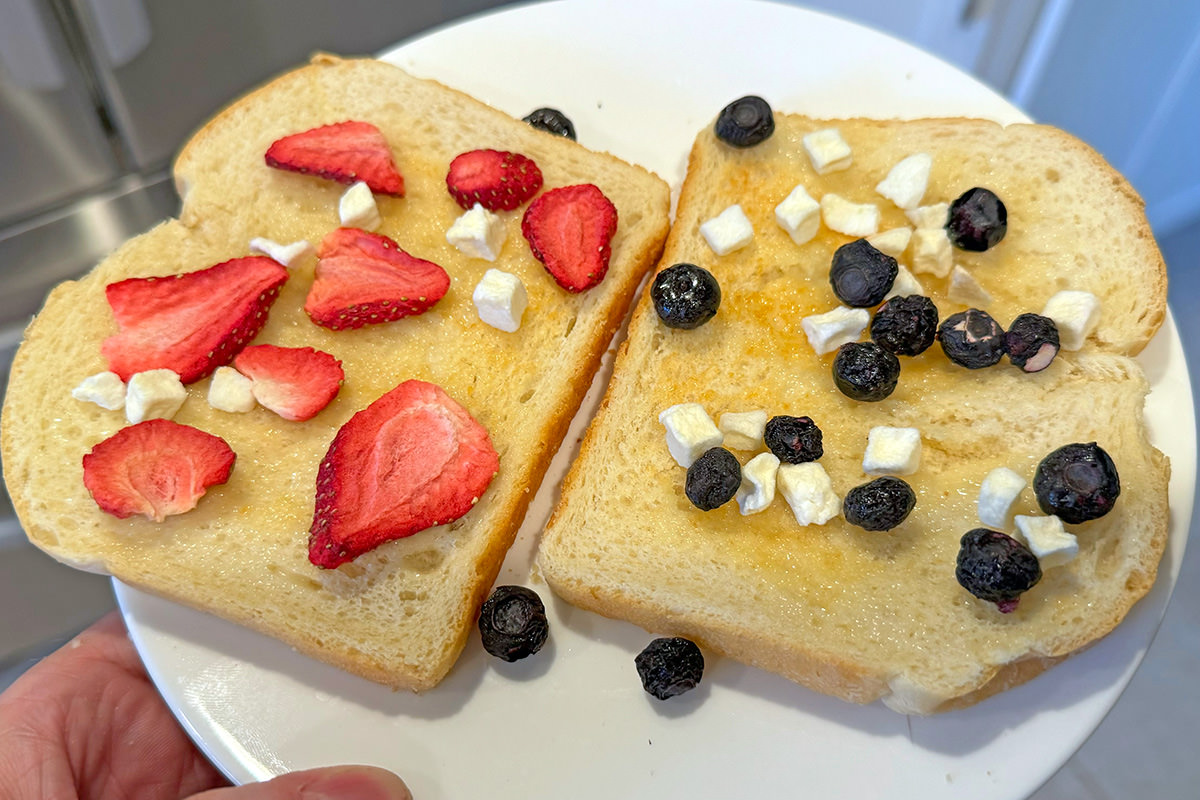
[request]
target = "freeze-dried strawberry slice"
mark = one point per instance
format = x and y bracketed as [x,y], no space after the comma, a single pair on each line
[570,231]
[363,278]
[346,152]
[294,382]
[411,460]
[191,323]
[156,468]
[496,179]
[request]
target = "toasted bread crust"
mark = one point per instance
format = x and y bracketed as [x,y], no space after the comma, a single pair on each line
[876,616]
[400,615]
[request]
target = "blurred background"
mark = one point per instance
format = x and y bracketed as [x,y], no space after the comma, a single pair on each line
[97,95]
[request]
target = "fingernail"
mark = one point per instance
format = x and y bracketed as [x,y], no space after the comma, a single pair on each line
[355,783]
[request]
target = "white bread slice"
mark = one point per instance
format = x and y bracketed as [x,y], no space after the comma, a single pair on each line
[401,614]
[860,615]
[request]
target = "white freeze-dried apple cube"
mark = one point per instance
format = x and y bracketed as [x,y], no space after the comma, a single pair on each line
[690,432]
[728,231]
[829,331]
[905,184]
[105,389]
[932,252]
[1047,539]
[799,214]
[893,241]
[906,284]
[757,490]
[848,217]
[230,390]
[357,208]
[997,493]
[827,150]
[743,430]
[892,451]
[965,289]
[1075,314]
[153,394]
[930,216]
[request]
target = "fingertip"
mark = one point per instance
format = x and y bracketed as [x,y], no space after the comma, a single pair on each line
[322,783]
[358,782]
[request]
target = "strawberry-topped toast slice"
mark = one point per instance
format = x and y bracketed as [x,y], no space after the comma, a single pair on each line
[340,375]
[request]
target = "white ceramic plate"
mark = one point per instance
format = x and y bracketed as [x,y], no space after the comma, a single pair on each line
[639,79]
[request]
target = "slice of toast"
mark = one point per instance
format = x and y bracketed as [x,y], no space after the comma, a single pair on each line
[876,615]
[400,614]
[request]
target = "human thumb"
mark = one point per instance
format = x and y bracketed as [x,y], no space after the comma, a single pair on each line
[323,783]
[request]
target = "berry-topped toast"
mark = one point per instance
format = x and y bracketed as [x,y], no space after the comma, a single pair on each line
[876,426]
[319,402]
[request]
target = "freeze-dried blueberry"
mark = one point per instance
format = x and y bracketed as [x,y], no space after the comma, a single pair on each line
[1077,482]
[972,339]
[1031,342]
[793,440]
[977,220]
[861,275]
[685,296]
[512,623]
[551,120]
[879,505]
[996,567]
[713,479]
[865,371]
[670,666]
[745,122]
[905,326]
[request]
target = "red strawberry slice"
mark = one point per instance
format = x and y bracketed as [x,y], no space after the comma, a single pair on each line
[411,460]
[347,152]
[364,278]
[294,382]
[156,468]
[496,179]
[191,323]
[570,231]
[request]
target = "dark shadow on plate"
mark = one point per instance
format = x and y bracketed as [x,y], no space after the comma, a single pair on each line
[524,670]
[680,705]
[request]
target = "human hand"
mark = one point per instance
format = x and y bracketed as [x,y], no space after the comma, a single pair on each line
[86,723]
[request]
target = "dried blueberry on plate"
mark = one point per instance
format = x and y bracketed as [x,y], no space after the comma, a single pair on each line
[685,296]
[551,120]
[713,479]
[905,326]
[512,623]
[879,505]
[1077,482]
[977,220]
[745,122]
[793,440]
[1031,342]
[670,666]
[862,275]
[972,339]
[865,371]
[995,567]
